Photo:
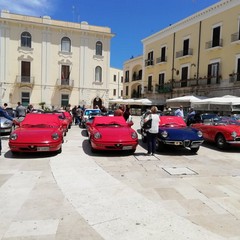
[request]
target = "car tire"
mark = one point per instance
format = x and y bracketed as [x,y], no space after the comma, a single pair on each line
[59,150]
[194,150]
[221,141]
[159,145]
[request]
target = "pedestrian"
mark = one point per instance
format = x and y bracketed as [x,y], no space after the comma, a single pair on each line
[20,112]
[79,114]
[119,111]
[179,112]
[190,116]
[74,114]
[152,132]
[3,113]
[126,113]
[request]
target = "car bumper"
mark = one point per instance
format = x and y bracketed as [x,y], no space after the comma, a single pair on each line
[114,146]
[35,147]
[184,143]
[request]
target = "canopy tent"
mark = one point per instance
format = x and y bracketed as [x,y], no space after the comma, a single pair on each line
[225,103]
[140,101]
[185,101]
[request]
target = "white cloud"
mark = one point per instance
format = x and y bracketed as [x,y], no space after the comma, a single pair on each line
[28,7]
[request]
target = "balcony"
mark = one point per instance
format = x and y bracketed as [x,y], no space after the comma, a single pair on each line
[149,62]
[235,38]
[214,44]
[65,83]
[136,77]
[164,88]
[25,81]
[162,59]
[184,53]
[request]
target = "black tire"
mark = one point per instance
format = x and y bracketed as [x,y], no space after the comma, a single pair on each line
[59,150]
[144,138]
[221,141]
[159,146]
[195,150]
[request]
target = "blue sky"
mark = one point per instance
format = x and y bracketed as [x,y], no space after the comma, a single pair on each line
[130,20]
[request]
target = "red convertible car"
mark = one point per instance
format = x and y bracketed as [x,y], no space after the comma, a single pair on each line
[223,131]
[37,133]
[111,133]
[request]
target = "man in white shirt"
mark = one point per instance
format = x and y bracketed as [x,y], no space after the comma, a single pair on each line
[179,112]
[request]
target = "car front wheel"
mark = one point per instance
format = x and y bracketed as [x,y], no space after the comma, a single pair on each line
[194,150]
[221,141]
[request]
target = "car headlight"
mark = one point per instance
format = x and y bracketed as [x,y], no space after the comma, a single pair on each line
[97,135]
[199,133]
[55,136]
[13,136]
[164,134]
[134,135]
[234,134]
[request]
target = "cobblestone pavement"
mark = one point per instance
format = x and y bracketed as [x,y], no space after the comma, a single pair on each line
[111,196]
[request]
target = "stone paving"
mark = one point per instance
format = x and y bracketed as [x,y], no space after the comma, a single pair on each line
[80,195]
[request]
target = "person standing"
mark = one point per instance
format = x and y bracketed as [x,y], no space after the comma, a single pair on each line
[20,111]
[153,131]
[179,112]
[126,113]
[3,113]
[119,111]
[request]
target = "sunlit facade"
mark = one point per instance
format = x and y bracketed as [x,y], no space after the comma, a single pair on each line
[199,55]
[53,62]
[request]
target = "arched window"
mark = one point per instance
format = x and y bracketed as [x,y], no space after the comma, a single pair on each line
[98,74]
[66,44]
[99,48]
[26,39]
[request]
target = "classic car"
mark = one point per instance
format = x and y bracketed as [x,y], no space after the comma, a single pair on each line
[6,126]
[112,133]
[68,117]
[223,131]
[89,114]
[37,133]
[63,119]
[174,131]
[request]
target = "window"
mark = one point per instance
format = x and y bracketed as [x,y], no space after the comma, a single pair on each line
[99,48]
[65,74]
[149,60]
[114,78]
[213,73]
[126,90]
[25,98]
[184,77]
[149,86]
[65,44]
[121,79]
[64,100]
[25,71]
[161,79]
[216,36]
[163,54]
[127,76]
[238,69]
[98,74]
[114,92]
[186,47]
[26,39]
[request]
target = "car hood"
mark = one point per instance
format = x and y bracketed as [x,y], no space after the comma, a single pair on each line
[36,134]
[185,133]
[115,134]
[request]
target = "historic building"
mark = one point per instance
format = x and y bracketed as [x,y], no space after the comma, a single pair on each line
[53,62]
[115,83]
[199,55]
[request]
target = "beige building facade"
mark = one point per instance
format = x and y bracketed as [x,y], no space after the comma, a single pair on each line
[199,55]
[115,84]
[53,62]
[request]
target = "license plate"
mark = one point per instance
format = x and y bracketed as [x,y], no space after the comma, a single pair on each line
[43,149]
[127,147]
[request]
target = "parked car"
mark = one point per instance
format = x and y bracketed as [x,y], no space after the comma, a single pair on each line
[174,131]
[63,119]
[37,133]
[6,126]
[223,131]
[112,133]
[87,114]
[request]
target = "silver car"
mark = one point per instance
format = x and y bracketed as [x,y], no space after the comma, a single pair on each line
[6,125]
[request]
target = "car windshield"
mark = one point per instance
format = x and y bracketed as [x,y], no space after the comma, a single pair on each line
[225,121]
[111,124]
[92,112]
[38,126]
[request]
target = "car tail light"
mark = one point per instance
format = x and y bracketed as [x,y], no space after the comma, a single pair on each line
[97,135]
[13,136]
[55,136]
[134,135]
